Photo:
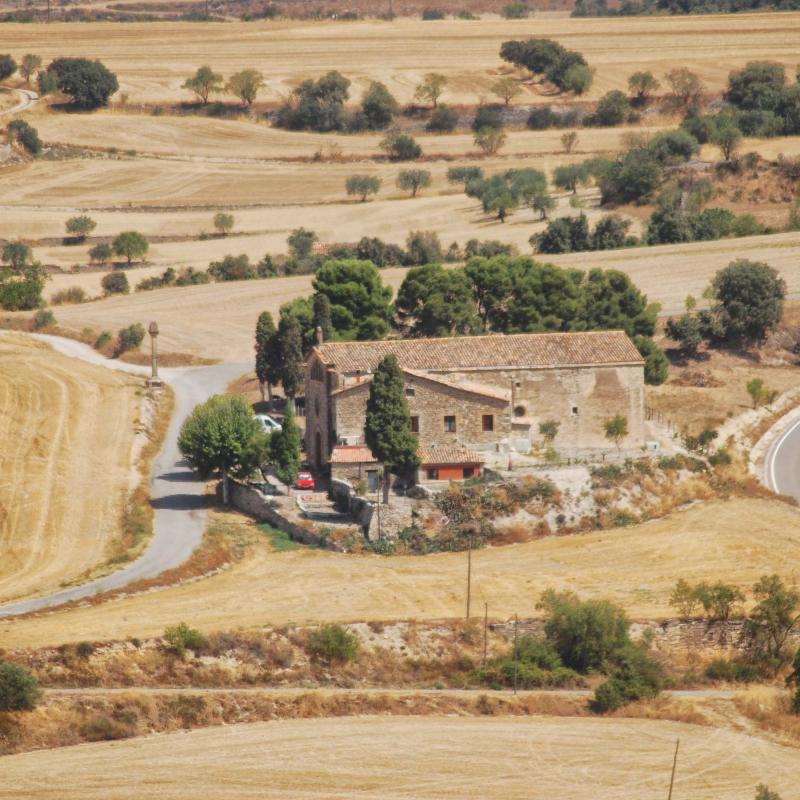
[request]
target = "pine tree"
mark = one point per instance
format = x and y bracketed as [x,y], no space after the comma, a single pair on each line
[265,332]
[285,448]
[290,345]
[387,428]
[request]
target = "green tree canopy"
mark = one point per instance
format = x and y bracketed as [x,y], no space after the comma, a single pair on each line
[267,354]
[387,427]
[204,82]
[362,185]
[80,227]
[88,83]
[246,85]
[218,435]
[130,245]
[19,690]
[285,448]
[379,106]
[412,180]
[356,294]
[748,299]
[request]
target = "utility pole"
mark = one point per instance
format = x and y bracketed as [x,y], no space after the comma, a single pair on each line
[516,653]
[485,632]
[674,764]
[469,574]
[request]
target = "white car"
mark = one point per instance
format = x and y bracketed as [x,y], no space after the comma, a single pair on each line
[270,424]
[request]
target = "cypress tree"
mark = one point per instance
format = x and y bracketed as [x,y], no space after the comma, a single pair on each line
[322,315]
[290,346]
[285,448]
[265,332]
[387,428]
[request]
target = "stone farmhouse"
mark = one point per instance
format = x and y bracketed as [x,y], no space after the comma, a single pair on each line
[476,398]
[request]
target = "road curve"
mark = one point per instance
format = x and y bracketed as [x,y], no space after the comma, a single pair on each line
[177,494]
[782,462]
[28,101]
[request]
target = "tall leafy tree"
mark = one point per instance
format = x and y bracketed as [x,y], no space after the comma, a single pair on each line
[748,300]
[266,371]
[387,427]
[30,63]
[611,301]
[322,316]
[89,83]
[218,436]
[204,82]
[290,343]
[246,85]
[378,106]
[130,244]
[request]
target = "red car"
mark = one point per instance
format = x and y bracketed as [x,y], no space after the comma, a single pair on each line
[305,480]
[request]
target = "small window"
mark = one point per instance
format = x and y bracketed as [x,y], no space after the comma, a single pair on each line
[433,473]
[449,424]
[414,424]
[519,411]
[574,411]
[488,422]
[469,472]
[518,384]
[411,391]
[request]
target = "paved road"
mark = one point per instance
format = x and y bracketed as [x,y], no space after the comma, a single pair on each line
[177,494]
[782,463]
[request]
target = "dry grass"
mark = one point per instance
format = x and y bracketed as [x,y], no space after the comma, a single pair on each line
[737,540]
[67,430]
[433,757]
[153,60]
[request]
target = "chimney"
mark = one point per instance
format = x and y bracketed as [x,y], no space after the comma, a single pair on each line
[320,337]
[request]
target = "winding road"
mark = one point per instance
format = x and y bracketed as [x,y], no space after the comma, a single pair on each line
[28,101]
[177,494]
[782,462]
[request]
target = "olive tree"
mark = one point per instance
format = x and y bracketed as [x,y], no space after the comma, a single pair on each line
[246,85]
[412,180]
[223,223]
[362,186]
[130,245]
[431,88]
[204,82]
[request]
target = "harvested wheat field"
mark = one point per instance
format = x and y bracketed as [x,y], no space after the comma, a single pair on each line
[202,137]
[737,540]
[217,320]
[153,59]
[67,430]
[412,757]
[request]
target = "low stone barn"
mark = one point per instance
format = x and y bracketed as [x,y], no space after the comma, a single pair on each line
[474,395]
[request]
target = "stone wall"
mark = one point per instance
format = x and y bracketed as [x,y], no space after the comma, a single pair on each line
[675,636]
[580,399]
[430,403]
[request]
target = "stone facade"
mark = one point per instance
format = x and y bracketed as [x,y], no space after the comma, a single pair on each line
[486,393]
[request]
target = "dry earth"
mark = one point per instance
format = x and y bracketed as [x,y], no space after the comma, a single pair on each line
[66,429]
[153,59]
[737,540]
[376,757]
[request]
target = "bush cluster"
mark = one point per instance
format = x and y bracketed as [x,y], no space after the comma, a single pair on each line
[566,69]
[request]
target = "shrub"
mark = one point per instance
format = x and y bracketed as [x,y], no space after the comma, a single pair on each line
[102,340]
[401,147]
[43,318]
[612,109]
[585,634]
[487,117]
[432,14]
[332,643]
[115,283]
[75,294]
[180,638]
[232,268]
[101,253]
[130,338]
[443,120]
[635,676]
[101,728]
[84,649]
[543,117]
[26,135]
[19,690]
[516,10]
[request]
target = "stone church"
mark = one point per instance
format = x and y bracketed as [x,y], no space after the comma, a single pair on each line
[470,396]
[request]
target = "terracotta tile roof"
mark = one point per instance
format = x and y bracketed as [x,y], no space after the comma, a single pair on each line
[352,454]
[449,454]
[482,389]
[523,350]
